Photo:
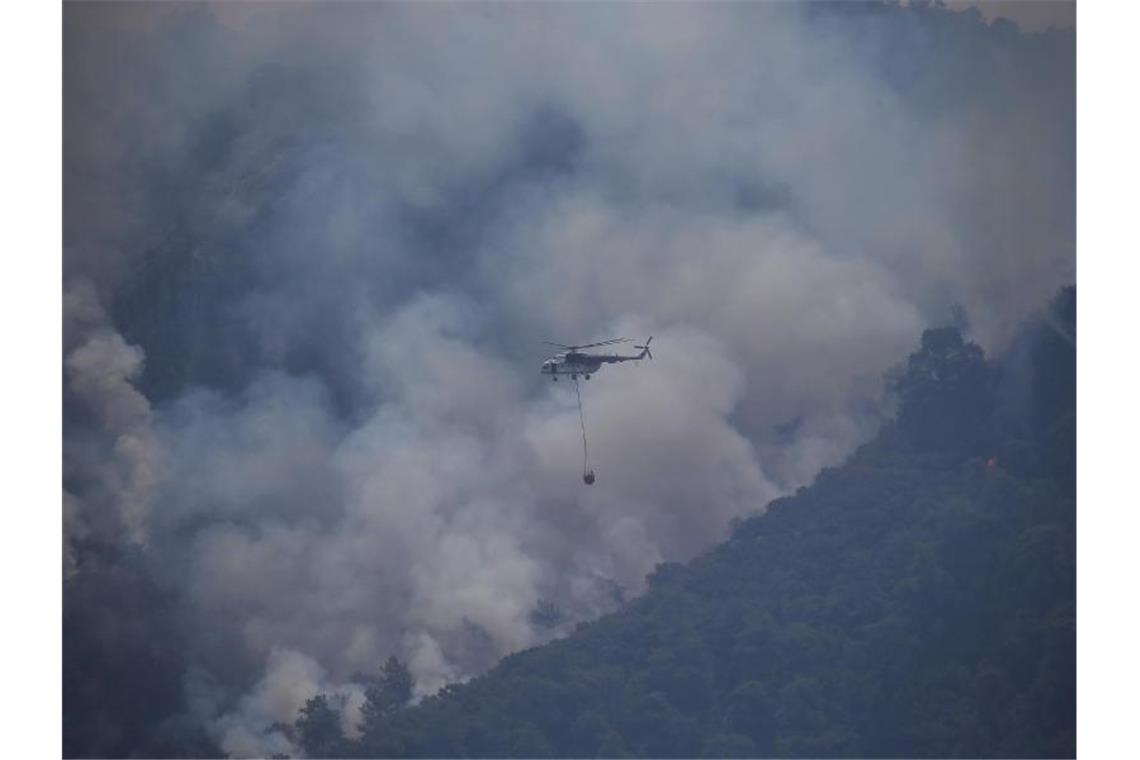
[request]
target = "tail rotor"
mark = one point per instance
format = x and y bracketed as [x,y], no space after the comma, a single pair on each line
[645,349]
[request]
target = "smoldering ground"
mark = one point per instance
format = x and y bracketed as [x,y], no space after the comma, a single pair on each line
[311,252]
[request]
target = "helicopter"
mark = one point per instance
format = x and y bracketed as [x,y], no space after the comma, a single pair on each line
[573,361]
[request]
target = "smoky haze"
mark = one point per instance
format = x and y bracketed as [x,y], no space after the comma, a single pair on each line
[311,253]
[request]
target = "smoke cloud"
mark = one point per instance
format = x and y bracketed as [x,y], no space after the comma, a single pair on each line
[311,253]
[114,463]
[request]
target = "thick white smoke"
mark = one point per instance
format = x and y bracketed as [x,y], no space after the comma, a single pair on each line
[433,527]
[291,679]
[116,465]
[394,204]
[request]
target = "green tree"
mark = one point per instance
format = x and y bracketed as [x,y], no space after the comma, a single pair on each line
[318,728]
[385,693]
[390,691]
[946,393]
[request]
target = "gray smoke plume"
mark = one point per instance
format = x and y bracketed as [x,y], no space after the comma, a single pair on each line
[337,235]
[115,464]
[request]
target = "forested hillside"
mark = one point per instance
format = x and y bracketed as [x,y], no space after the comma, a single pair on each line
[918,601]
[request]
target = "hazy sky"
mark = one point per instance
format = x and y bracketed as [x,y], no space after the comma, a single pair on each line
[311,253]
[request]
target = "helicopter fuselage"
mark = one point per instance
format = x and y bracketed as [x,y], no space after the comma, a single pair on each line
[576,363]
[573,363]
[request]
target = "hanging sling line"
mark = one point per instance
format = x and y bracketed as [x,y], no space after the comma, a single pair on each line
[587,473]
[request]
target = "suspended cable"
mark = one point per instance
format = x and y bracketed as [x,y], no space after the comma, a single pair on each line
[587,473]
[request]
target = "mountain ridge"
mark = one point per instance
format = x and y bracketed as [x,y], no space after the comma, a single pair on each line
[918,600]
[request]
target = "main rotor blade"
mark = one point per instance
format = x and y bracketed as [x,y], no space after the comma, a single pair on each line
[588,345]
[609,342]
